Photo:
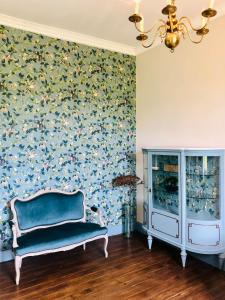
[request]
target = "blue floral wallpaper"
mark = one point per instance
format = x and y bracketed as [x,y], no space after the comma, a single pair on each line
[67,121]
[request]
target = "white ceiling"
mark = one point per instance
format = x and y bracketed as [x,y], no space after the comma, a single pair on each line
[101,19]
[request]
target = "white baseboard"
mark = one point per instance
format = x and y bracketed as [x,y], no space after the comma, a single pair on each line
[115,229]
[6,255]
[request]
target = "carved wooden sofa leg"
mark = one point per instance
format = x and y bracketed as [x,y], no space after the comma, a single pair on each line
[105,246]
[18,264]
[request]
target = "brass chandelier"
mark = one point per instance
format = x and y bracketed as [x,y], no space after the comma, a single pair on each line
[171,30]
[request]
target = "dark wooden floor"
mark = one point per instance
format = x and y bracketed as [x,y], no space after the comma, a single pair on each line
[130,272]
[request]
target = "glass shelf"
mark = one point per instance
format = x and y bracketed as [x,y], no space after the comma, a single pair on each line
[162,171]
[165,180]
[202,198]
[202,187]
[201,175]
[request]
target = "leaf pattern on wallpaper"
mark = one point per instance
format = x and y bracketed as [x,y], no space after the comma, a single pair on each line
[67,120]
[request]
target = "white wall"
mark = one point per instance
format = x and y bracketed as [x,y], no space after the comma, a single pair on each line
[181,96]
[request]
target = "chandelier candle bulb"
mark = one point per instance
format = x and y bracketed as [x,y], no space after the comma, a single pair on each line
[137,6]
[211,4]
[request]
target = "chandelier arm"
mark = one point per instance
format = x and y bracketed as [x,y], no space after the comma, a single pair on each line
[189,22]
[154,37]
[187,31]
[151,29]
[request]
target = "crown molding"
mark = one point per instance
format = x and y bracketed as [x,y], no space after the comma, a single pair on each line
[67,35]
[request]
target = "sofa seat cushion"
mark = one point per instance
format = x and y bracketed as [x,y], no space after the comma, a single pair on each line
[57,237]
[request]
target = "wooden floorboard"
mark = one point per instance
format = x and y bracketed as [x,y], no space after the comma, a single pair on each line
[130,272]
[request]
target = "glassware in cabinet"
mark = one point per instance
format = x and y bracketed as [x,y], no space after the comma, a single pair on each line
[165,181]
[203,187]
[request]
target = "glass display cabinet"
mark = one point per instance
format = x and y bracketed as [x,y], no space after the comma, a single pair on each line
[184,199]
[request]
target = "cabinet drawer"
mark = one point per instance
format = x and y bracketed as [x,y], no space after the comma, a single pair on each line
[165,224]
[203,235]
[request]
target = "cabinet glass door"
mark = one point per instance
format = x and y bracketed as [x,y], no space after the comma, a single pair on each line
[165,183]
[203,187]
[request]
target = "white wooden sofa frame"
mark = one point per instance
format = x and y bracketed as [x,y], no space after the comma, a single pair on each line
[17,232]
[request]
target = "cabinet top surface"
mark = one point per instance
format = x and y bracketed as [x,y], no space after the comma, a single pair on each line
[182,149]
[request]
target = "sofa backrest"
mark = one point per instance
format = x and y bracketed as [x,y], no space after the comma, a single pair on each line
[48,209]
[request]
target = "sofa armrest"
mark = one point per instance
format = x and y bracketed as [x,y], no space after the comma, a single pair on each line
[97,211]
[15,232]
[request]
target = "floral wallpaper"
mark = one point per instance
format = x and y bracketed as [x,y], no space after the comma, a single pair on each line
[67,121]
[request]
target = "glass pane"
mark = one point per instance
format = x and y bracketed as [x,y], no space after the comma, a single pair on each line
[202,187]
[165,180]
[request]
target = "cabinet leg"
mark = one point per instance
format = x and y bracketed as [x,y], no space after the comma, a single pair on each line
[221,263]
[150,242]
[222,255]
[183,257]
[221,260]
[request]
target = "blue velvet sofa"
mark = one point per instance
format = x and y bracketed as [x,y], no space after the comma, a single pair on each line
[52,221]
